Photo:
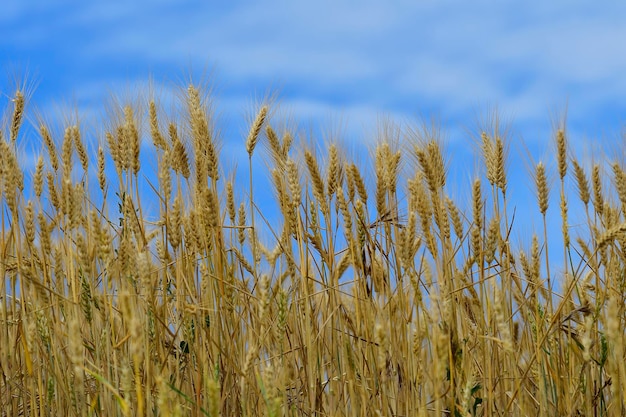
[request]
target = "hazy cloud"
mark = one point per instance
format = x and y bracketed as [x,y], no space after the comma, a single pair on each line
[399,58]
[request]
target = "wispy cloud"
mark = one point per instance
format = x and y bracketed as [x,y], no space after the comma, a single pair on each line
[399,58]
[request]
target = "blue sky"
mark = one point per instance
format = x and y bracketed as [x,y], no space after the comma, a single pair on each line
[343,64]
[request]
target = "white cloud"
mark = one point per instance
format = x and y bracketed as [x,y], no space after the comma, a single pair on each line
[398,58]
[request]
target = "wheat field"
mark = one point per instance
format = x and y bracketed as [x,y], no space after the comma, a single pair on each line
[366,292]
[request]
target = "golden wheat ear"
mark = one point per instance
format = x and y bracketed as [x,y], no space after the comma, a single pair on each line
[193,307]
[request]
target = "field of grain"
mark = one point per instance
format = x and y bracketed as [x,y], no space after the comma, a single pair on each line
[375,292]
